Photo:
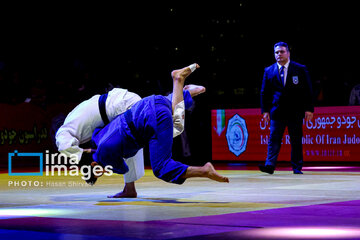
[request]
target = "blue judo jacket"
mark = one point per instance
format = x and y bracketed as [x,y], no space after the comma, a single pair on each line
[148,122]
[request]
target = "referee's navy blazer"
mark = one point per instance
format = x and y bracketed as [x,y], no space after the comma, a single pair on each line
[289,101]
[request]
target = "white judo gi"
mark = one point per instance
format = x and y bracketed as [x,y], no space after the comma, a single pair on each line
[81,122]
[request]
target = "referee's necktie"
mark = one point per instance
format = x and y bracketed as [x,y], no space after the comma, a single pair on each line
[282,75]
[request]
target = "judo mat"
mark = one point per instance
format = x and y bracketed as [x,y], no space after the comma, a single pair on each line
[323,203]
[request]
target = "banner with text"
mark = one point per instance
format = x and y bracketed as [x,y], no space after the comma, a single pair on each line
[26,127]
[242,135]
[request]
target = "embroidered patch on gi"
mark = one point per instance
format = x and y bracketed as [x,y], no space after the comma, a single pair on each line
[295,79]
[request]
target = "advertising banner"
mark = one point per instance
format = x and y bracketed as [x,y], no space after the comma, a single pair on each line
[242,135]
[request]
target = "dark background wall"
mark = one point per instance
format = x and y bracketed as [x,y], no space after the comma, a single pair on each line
[59,53]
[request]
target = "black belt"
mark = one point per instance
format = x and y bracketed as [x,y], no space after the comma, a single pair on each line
[133,130]
[102,108]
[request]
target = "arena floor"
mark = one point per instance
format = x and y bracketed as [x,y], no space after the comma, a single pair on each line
[323,203]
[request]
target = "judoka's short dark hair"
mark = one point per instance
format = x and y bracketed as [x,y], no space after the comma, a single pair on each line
[86,160]
[282,44]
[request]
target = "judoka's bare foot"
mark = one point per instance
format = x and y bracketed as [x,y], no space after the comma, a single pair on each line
[123,195]
[194,90]
[182,74]
[207,171]
[212,174]
[129,191]
[179,77]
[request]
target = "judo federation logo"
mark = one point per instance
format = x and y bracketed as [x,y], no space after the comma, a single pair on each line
[237,135]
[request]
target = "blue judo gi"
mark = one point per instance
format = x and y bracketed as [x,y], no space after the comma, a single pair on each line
[150,122]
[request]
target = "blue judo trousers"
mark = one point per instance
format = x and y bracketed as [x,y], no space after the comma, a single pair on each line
[150,122]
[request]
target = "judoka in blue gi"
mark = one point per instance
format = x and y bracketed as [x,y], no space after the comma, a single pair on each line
[80,123]
[149,122]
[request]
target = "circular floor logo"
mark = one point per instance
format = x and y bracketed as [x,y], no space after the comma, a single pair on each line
[237,135]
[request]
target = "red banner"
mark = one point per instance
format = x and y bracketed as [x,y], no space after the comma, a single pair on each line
[26,128]
[242,135]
